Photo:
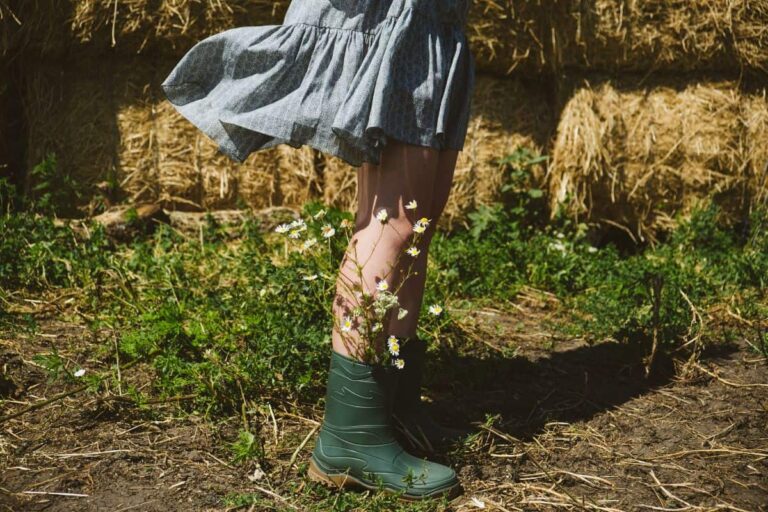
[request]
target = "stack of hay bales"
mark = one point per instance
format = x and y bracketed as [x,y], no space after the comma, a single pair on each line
[631,152]
[635,157]
[672,121]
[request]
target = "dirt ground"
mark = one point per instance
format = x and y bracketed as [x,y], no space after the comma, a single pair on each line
[561,425]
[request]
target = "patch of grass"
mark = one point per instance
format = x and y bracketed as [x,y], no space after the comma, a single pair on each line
[229,318]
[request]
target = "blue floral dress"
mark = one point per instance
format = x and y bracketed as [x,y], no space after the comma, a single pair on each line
[342,76]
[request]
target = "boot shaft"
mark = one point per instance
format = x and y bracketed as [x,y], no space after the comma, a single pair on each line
[358,393]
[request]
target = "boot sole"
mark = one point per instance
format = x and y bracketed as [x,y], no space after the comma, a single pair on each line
[344,480]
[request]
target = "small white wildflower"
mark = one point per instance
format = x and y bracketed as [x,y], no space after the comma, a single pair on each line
[399,363]
[282,228]
[435,309]
[345,223]
[411,205]
[346,324]
[376,327]
[592,249]
[413,251]
[299,224]
[80,372]
[560,235]
[309,243]
[393,345]
[382,286]
[401,314]
[296,233]
[382,216]
[319,214]
[310,277]
[328,231]
[421,225]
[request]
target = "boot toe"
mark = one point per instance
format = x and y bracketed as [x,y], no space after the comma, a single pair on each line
[422,477]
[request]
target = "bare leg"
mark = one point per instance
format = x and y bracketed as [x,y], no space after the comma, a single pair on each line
[411,293]
[406,172]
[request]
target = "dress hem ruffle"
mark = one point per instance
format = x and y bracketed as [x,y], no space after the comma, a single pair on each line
[355,132]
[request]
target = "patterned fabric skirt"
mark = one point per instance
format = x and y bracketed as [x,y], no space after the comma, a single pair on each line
[342,76]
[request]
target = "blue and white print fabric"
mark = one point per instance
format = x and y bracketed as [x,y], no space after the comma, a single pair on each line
[342,76]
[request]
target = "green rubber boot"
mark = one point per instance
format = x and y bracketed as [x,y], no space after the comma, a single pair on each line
[411,418]
[356,446]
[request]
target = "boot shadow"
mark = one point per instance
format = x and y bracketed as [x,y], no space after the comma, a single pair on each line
[567,386]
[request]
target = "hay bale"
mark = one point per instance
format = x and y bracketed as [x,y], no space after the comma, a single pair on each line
[508,36]
[634,158]
[677,35]
[60,27]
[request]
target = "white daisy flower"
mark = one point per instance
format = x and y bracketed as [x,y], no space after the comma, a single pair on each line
[435,309]
[411,205]
[346,324]
[421,225]
[328,231]
[399,363]
[294,234]
[382,216]
[382,286]
[80,372]
[401,314]
[282,228]
[345,223]
[309,243]
[393,345]
[413,251]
